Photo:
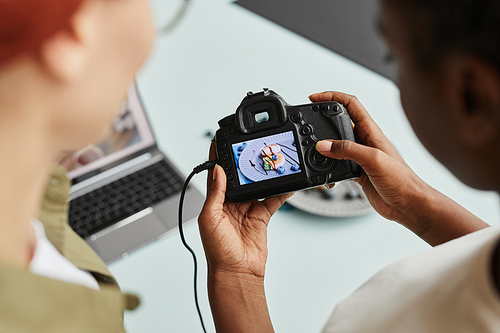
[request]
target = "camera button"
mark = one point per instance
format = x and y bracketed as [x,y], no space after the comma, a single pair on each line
[230,176]
[305,143]
[333,111]
[222,146]
[318,158]
[315,107]
[225,156]
[317,162]
[232,131]
[227,121]
[326,107]
[306,130]
[222,133]
[314,181]
[231,187]
[318,180]
[227,166]
[296,117]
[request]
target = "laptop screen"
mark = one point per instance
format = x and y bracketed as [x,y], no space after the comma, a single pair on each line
[129,133]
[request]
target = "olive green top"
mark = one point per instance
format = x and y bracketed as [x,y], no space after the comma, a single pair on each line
[32,303]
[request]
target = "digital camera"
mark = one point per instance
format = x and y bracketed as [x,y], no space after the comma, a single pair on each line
[267,147]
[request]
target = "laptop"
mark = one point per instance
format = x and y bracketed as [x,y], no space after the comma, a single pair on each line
[125,191]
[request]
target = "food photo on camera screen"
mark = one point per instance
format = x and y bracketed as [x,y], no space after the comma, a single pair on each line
[266,158]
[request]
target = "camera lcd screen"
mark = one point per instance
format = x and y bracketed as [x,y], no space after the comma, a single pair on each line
[266,158]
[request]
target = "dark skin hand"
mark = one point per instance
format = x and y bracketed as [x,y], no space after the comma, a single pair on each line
[377,157]
[235,242]
[390,185]
[241,227]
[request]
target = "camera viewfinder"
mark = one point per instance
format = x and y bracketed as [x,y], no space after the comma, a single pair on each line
[261,117]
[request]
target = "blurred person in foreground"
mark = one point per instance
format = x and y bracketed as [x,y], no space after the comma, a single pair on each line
[448,52]
[65,67]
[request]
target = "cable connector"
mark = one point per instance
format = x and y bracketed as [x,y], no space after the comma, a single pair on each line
[208,165]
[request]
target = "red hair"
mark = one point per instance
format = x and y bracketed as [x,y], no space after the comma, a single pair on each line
[26,24]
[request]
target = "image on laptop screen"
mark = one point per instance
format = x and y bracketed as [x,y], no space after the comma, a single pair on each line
[129,133]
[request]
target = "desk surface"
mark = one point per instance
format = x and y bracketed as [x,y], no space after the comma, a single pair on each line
[198,74]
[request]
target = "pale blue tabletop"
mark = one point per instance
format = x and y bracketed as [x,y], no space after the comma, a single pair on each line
[198,74]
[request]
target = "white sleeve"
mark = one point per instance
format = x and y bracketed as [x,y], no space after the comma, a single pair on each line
[445,289]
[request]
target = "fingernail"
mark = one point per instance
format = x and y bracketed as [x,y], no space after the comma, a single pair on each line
[214,174]
[324,146]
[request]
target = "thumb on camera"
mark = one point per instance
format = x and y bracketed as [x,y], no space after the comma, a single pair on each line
[345,150]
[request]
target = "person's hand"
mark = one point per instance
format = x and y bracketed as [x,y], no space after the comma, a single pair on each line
[235,241]
[235,235]
[391,187]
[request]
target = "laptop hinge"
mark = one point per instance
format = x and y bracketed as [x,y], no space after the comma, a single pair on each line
[111,173]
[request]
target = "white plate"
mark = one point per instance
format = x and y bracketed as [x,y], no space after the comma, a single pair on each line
[315,202]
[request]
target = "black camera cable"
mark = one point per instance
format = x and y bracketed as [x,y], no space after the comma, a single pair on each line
[209,165]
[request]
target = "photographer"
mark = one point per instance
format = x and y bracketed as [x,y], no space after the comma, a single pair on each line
[449,79]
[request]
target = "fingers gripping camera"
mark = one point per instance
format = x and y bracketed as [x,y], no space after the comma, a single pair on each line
[267,147]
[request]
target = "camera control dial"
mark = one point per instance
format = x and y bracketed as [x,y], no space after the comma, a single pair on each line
[318,162]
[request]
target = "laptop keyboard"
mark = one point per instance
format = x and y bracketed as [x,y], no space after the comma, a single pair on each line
[126,196]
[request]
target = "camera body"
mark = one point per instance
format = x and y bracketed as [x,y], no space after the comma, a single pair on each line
[267,147]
